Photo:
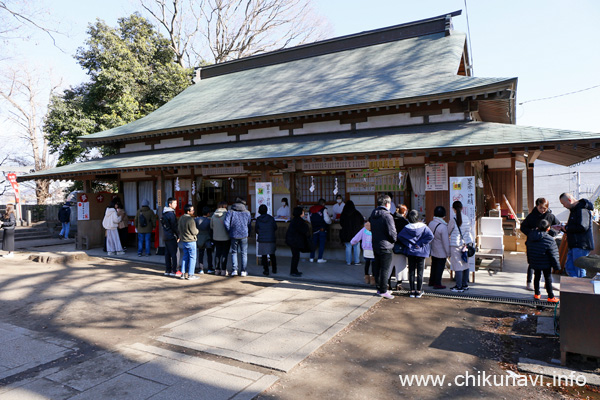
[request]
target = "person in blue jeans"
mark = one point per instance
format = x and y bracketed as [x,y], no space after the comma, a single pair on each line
[238,224]
[352,222]
[579,232]
[64,216]
[145,221]
[187,240]
[319,219]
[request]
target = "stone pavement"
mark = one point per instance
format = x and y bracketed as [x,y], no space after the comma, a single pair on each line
[509,283]
[276,327]
[143,372]
[22,349]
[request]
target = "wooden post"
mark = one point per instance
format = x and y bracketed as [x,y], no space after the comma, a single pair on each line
[87,186]
[160,193]
[292,200]
[530,195]
[512,186]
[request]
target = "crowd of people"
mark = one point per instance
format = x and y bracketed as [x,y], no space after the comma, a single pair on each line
[394,242]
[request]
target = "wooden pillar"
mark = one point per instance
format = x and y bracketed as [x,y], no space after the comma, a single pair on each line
[511,194]
[87,186]
[530,193]
[160,193]
[293,201]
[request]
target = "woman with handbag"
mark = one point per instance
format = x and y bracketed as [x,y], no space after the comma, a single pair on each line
[298,238]
[9,223]
[399,260]
[461,243]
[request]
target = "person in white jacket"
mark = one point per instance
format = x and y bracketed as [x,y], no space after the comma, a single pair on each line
[111,224]
[440,247]
[459,230]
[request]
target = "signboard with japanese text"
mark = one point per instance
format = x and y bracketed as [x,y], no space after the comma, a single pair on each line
[12,178]
[83,211]
[264,195]
[462,188]
[436,177]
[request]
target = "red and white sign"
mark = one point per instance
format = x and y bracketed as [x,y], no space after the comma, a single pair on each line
[12,178]
[100,198]
[83,198]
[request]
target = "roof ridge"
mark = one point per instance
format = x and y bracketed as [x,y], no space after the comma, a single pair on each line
[428,26]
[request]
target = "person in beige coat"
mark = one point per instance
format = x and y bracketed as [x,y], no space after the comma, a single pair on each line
[220,238]
[440,247]
[459,230]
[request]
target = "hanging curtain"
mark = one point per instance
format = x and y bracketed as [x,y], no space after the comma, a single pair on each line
[417,180]
[146,192]
[130,198]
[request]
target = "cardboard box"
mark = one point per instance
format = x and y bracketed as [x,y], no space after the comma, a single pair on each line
[510,243]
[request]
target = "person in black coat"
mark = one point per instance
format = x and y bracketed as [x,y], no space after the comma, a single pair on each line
[298,238]
[266,241]
[384,237]
[579,232]
[531,223]
[9,223]
[542,256]
[351,222]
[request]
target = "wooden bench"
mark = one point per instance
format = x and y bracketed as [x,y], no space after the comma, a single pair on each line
[496,254]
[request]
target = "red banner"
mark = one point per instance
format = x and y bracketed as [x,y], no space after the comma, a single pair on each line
[12,178]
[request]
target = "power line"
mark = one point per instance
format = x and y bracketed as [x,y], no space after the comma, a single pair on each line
[560,95]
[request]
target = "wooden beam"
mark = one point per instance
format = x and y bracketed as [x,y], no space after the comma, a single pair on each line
[270,167]
[534,156]
[473,156]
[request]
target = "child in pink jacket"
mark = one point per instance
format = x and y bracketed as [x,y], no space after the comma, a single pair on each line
[366,238]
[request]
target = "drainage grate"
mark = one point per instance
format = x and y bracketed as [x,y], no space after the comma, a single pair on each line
[489,299]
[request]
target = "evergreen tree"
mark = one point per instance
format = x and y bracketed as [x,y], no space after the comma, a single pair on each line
[132,72]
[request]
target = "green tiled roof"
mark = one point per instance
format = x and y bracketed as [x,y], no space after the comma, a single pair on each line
[405,69]
[446,136]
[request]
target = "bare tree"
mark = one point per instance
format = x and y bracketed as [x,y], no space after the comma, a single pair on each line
[16,15]
[26,94]
[214,31]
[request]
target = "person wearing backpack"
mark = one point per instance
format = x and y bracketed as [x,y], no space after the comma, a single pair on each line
[145,221]
[64,216]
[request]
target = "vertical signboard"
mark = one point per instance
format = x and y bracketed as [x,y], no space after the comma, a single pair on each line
[462,188]
[436,177]
[83,208]
[264,195]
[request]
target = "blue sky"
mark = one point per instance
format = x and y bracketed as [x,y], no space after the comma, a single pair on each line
[553,48]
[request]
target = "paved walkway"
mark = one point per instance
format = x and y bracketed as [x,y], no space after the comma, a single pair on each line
[276,327]
[140,372]
[509,283]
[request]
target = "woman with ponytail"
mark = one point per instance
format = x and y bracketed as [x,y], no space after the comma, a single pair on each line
[459,229]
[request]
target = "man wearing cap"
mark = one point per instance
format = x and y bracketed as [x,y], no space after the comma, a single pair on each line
[145,220]
[64,216]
